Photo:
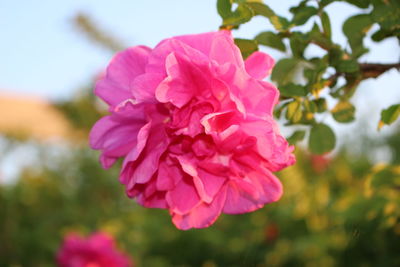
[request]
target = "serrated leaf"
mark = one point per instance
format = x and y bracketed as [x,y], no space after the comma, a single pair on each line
[292,89]
[326,24]
[390,115]
[272,40]
[343,112]
[355,28]
[322,139]
[297,136]
[246,46]
[303,14]
[283,70]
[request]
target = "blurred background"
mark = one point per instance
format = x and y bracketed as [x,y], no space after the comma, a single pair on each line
[341,209]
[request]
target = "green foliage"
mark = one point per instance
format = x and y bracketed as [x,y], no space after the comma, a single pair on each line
[322,139]
[343,112]
[302,13]
[272,40]
[297,136]
[83,103]
[247,47]
[302,79]
[231,18]
[331,212]
[292,89]
[355,29]
[389,115]
[284,70]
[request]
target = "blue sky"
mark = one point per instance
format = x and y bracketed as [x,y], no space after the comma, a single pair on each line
[41,53]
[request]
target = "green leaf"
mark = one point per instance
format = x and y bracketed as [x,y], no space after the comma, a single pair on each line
[241,15]
[322,139]
[293,112]
[292,89]
[379,35]
[320,104]
[335,55]
[324,3]
[355,28]
[303,14]
[310,106]
[297,136]
[387,14]
[348,66]
[359,3]
[224,8]
[326,24]
[343,112]
[320,39]
[262,9]
[284,70]
[279,23]
[272,40]
[387,177]
[389,115]
[246,46]
[298,43]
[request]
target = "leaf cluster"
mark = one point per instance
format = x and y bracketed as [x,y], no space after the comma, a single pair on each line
[307,84]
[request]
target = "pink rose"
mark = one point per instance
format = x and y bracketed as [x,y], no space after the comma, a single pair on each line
[97,251]
[194,124]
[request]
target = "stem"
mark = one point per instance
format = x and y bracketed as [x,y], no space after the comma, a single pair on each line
[373,70]
[368,70]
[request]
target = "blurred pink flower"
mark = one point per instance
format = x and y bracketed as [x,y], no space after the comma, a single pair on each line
[98,250]
[194,124]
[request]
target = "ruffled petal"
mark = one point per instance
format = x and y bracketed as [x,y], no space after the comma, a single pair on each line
[203,215]
[259,65]
[252,192]
[157,59]
[144,86]
[169,174]
[185,80]
[124,67]
[201,42]
[270,144]
[223,50]
[115,137]
[140,169]
[183,197]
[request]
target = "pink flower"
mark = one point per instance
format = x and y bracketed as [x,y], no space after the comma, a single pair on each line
[194,124]
[97,251]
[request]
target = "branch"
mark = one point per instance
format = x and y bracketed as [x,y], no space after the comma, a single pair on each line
[373,70]
[86,25]
[368,70]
